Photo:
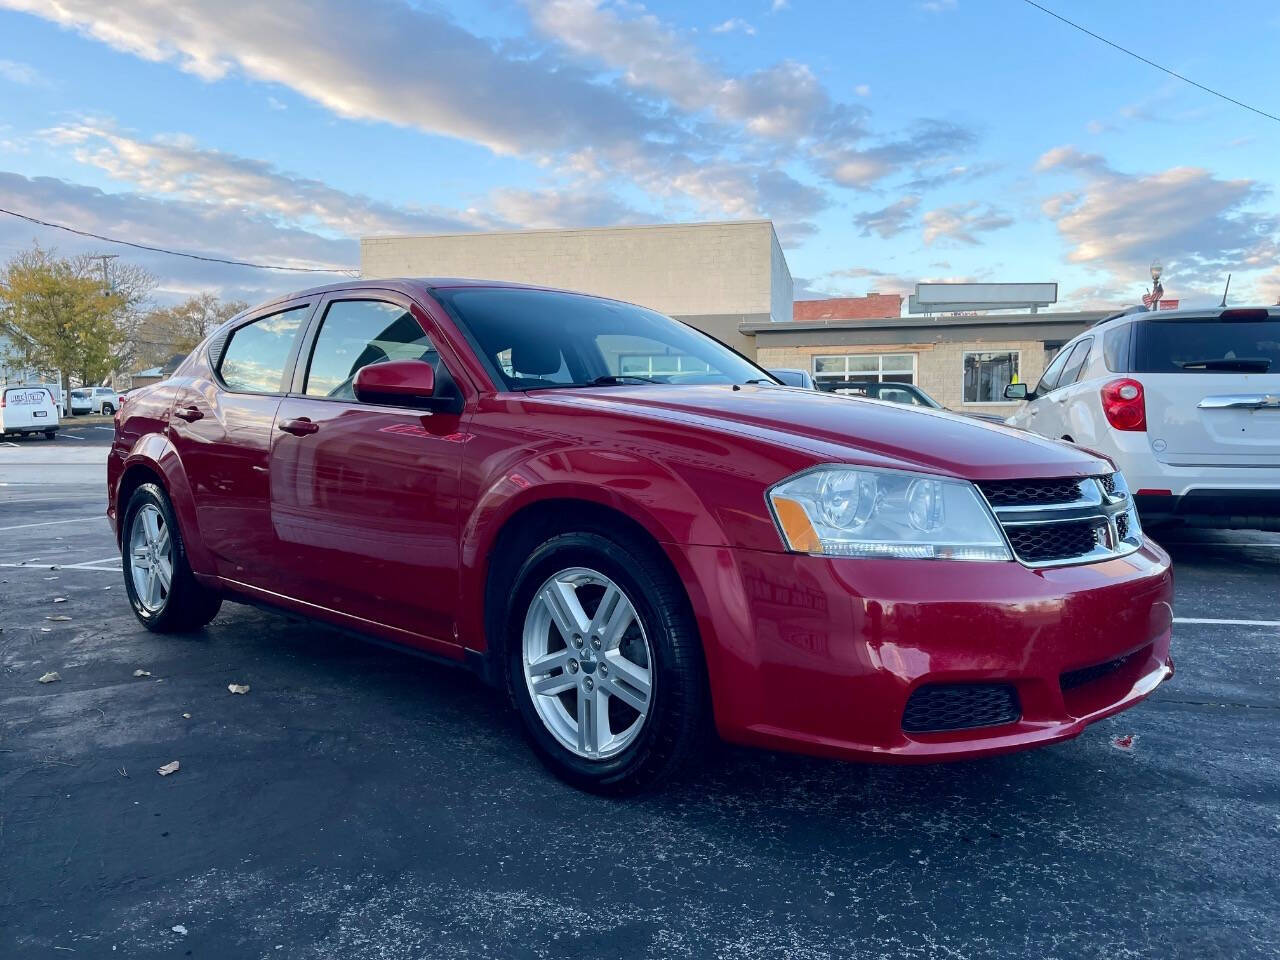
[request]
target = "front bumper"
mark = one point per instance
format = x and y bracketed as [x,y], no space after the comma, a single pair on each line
[821,655]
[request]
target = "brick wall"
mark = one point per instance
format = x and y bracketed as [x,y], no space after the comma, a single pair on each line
[939,366]
[873,306]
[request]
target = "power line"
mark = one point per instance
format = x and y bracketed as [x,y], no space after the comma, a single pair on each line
[1152,63]
[176,253]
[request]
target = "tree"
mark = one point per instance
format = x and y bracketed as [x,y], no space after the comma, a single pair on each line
[166,331]
[57,317]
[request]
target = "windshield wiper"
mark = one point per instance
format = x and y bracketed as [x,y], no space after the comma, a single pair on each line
[1243,364]
[772,383]
[611,380]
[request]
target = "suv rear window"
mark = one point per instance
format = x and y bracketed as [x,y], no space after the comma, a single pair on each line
[1209,345]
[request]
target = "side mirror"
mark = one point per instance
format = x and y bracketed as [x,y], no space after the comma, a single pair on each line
[1016,391]
[406,383]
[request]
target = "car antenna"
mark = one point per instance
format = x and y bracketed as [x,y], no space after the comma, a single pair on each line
[1224,291]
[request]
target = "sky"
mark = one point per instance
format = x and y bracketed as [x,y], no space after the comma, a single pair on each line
[890,141]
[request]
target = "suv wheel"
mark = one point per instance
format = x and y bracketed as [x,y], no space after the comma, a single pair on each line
[162,590]
[108,409]
[604,663]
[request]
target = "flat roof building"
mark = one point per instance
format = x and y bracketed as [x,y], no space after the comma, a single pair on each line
[715,276]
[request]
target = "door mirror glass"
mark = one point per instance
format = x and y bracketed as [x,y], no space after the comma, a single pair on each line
[405,383]
[1015,391]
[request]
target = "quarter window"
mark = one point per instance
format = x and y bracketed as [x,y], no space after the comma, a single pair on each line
[357,333]
[255,356]
[987,374]
[880,367]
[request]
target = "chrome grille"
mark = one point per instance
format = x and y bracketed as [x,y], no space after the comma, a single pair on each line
[1065,520]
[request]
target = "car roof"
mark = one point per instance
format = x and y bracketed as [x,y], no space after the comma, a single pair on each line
[1206,313]
[411,285]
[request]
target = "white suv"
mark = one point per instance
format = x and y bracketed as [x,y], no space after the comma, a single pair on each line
[1187,404]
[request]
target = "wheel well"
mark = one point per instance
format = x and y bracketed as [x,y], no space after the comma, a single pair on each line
[133,478]
[529,526]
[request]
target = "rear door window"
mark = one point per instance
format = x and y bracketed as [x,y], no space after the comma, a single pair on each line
[255,357]
[1247,344]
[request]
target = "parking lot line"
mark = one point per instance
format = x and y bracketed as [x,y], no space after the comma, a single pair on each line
[108,429]
[50,523]
[51,500]
[1229,623]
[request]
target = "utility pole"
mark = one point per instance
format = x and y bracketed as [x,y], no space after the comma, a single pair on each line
[103,259]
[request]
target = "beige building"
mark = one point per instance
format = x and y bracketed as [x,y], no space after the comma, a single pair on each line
[716,276]
[731,279]
[963,362]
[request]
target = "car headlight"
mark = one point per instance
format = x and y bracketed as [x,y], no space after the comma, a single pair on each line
[861,512]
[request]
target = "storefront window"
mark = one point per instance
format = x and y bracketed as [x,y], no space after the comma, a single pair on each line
[880,367]
[987,374]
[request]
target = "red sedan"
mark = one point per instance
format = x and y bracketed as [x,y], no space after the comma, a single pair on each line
[635,532]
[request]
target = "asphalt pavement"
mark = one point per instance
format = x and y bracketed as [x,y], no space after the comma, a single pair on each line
[360,803]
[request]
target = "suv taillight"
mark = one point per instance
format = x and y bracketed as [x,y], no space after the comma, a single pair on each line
[1124,404]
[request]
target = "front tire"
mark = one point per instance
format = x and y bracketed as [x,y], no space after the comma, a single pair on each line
[108,410]
[163,592]
[604,663]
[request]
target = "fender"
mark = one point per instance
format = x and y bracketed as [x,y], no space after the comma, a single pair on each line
[154,451]
[641,489]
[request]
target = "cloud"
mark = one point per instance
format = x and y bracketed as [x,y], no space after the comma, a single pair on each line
[889,221]
[863,89]
[962,222]
[376,60]
[734,24]
[178,225]
[938,6]
[177,167]
[928,142]
[20,73]
[1199,225]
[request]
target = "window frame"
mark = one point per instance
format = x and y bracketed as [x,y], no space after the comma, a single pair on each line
[1002,402]
[848,376]
[290,362]
[311,335]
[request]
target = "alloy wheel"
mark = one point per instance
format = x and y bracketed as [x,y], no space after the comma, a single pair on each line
[587,663]
[151,557]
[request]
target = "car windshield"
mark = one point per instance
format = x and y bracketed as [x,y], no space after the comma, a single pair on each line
[538,339]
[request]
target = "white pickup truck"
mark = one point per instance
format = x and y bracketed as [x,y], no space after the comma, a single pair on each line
[26,410]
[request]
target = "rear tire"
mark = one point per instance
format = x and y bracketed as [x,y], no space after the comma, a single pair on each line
[646,717]
[153,552]
[51,434]
[108,410]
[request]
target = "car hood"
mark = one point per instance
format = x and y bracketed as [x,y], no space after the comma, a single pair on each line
[843,429]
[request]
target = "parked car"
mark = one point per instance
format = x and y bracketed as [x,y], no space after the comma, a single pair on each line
[895,392]
[636,559]
[793,378]
[28,410]
[103,400]
[1186,402]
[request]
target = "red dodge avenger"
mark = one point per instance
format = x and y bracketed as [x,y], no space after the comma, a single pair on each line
[635,532]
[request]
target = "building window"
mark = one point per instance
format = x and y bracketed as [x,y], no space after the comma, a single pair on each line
[881,367]
[987,374]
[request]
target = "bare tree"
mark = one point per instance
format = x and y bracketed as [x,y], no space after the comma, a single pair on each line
[165,331]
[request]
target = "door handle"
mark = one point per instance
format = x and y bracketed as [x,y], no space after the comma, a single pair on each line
[300,427]
[189,414]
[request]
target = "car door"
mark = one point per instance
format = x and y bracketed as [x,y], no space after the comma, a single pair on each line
[1067,391]
[1038,414]
[364,497]
[220,424]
